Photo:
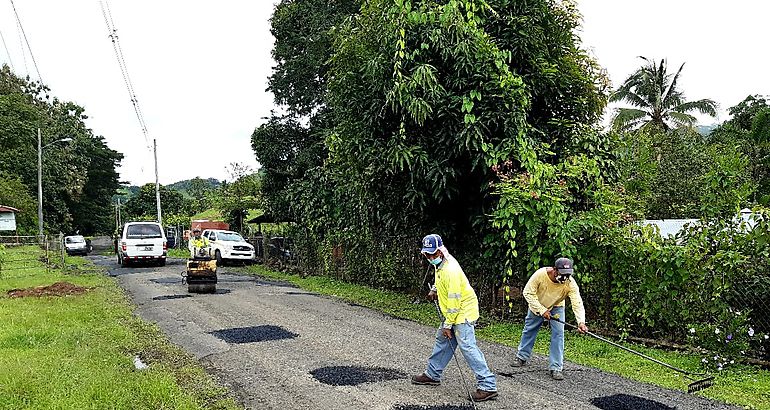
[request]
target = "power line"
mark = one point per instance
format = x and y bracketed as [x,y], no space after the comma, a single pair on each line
[27,42]
[7,52]
[113,35]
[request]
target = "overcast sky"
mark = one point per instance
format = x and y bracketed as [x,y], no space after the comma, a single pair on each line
[199,69]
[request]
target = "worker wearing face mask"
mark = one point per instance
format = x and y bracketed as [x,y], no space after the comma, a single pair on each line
[460,309]
[545,293]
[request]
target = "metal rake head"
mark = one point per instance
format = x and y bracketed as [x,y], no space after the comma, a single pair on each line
[701,384]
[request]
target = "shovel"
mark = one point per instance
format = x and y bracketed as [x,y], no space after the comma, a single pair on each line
[700,381]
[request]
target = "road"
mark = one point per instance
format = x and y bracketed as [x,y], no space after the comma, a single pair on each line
[279,347]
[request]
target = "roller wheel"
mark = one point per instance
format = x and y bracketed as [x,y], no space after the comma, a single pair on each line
[202,288]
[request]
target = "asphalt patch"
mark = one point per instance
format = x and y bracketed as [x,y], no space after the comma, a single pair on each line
[438,407]
[254,334]
[300,293]
[170,297]
[355,375]
[628,402]
[167,281]
[222,291]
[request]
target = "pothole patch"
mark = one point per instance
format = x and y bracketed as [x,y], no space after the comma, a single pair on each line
[627,402]
[57,289]
[253,334]
[171,297]
[299,293]
[167,281]
[355,375]
[433,407]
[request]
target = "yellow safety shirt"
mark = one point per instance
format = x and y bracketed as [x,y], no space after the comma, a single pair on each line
[455,295]
[199,242]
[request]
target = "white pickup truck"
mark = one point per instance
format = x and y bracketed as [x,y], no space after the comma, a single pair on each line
[228,246]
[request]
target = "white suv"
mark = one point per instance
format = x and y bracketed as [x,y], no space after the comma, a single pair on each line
[142,242]
[228,246]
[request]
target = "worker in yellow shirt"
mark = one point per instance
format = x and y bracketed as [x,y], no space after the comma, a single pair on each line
[199,245]
[460,309]
[545,293]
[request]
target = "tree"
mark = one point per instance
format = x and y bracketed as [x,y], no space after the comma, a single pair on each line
[79,177]
[237,197]
[13,193]
[657,100]
[423,100]
[144,205]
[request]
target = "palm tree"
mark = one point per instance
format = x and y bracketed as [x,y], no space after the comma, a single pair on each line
[653,91]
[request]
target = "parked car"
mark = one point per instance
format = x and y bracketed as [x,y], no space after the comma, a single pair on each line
[76,245]
[229,246]
[142,242]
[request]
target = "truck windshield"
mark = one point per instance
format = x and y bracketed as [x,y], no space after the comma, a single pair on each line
[141,231]
[75,239]
[229,236]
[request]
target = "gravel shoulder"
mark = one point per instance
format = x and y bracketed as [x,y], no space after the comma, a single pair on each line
[266,340]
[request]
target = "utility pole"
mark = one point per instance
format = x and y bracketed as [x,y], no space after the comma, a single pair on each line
[39,184]
[157,184]
[120,220]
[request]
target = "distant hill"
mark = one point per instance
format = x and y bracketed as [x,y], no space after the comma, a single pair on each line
[184,187]
[187,185]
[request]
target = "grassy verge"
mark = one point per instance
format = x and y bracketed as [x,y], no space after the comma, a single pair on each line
[179,253]
[745,386]
[77,351]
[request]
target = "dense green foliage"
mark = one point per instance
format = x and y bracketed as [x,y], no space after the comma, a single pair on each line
[79,177]
[478,120]
[422,100]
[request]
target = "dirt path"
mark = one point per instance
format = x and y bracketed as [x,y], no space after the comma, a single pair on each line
[279,347]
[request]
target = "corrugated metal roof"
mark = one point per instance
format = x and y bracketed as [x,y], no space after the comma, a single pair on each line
[4,208]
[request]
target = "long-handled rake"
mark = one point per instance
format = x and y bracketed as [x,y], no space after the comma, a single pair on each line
[459,369]
[700,381]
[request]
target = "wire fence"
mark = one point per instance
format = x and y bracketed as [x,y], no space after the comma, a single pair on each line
[28,253]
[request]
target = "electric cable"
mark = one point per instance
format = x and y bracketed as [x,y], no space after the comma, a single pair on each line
[10,60]
[34,62]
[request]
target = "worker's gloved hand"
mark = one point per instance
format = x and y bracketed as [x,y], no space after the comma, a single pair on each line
[447,333]
[547,315]
[582,328]
[432,295]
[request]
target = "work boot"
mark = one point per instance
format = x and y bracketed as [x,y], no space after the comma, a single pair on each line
[423,379]
[517,362]
[556,375]
[483,395]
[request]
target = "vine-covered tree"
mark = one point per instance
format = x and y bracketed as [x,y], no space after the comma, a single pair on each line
[423,102]
[657,100]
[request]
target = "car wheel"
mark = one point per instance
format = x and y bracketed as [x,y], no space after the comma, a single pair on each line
[218,256]
[123,262]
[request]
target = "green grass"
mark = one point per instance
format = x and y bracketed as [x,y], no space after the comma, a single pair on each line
[182,253]
[210,214]
[77,351]
[745,386]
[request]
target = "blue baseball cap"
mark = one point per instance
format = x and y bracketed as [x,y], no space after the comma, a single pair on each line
[431,243]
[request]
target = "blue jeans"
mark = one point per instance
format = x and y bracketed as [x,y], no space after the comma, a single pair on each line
[465,336]
[532,324]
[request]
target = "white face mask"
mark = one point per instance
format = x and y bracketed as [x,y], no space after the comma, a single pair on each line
[562,277]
